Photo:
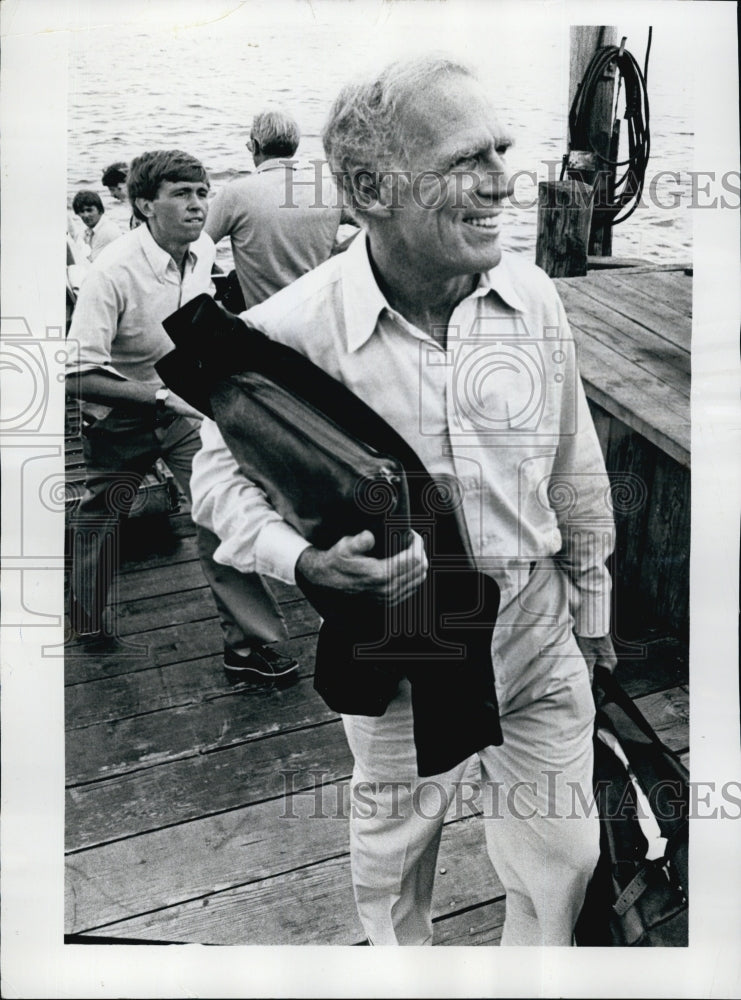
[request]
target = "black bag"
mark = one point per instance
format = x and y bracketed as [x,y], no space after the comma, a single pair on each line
[332,466]
[229,292]
[324,482]
[638,893]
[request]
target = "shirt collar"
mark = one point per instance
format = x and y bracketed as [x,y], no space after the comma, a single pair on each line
[499,280]
[364,301]
[275,165]
[159,259]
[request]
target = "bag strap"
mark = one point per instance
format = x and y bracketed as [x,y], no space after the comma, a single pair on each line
[632,892]
[640,881]
[615,693]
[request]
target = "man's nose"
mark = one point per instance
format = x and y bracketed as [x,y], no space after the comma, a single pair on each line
[197,201]
[496,178]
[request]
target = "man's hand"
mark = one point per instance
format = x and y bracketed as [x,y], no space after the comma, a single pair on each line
[183,409]
[598,652]
[346,567]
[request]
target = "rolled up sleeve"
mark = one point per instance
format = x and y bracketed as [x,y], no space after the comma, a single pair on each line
[94,326]
[253,535]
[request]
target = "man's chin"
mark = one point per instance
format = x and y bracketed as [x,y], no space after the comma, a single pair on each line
[489,258]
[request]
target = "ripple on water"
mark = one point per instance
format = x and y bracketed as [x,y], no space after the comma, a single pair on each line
[198,89]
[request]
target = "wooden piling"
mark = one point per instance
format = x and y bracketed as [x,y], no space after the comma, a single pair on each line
[564,218]
[584,42]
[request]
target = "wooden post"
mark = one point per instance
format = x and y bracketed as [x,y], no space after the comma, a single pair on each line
[584,42]
[564,218]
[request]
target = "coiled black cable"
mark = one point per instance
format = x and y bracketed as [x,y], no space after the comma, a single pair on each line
[626,191]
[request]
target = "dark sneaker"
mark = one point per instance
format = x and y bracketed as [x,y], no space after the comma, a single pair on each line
[263,666]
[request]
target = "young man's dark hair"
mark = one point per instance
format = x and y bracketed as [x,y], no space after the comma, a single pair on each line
[84,199]
[115,174]
[149,170]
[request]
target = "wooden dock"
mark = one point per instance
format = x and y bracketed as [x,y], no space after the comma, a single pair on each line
[633,329]
[196,812]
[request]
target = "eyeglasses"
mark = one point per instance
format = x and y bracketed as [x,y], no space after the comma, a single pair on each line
[250,144]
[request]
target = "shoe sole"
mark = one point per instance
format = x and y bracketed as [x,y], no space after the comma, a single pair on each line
[247,675]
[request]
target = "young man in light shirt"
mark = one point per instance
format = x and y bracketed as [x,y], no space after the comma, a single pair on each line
[130,418]
[99,230]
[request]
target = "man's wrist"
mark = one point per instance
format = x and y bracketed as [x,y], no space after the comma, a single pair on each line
[161,398]
[306,562]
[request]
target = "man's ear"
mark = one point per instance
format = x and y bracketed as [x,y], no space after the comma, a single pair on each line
[145,207]
[377,194]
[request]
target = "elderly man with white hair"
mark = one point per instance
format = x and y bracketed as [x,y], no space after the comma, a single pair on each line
[465,351]
[282,220]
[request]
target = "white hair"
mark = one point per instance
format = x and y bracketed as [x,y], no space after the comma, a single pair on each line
[364,133]
[277,133]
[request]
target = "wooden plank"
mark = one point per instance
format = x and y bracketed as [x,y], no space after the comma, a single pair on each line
[667,362]
[668,713]
[650,566]
[595,263]
[680,284]
[669,300]
[184,789]
[312,906]
[143,645]
[146,873]
[143,615]
[631,463]
[637,266]
[159,581]
[84,661]
[645,405]
[204,785]
[482,925]
[672,288]
[109,749]
[100,699]
[110,882]
[614,292]
[184,550]
[315,905]
[175,575]
[665,568]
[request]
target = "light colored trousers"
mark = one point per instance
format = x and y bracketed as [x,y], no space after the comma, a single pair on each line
[543,845]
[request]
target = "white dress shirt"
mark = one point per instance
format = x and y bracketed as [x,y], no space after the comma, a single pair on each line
[500,413]
[132,286]
[105,231]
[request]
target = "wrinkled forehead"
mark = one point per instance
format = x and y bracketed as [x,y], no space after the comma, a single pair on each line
[454,111]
